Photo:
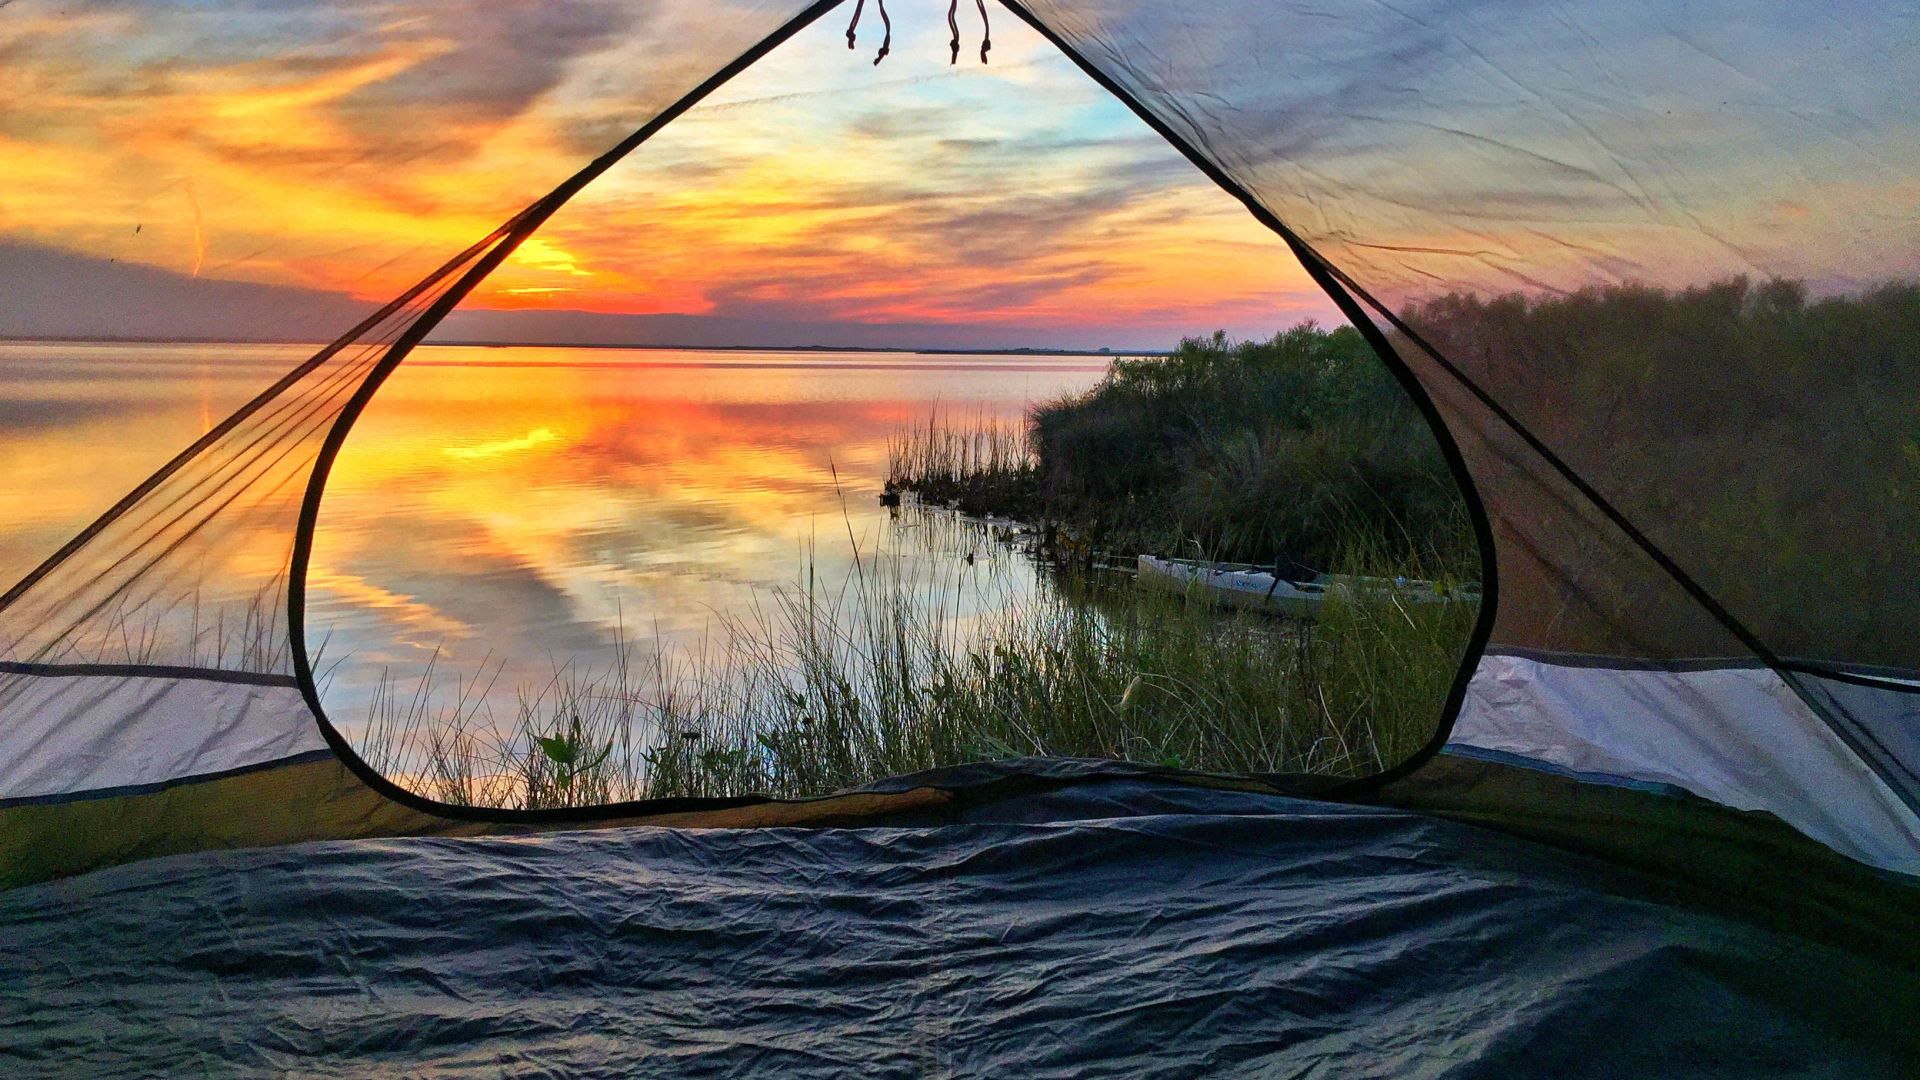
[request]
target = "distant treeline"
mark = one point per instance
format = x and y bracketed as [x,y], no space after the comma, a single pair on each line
[1766,439]
[1292,450]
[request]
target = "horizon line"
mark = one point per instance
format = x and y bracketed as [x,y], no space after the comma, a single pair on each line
[1015,350]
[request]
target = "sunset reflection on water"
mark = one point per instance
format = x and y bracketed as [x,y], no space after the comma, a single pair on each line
[519,507]
[523,507]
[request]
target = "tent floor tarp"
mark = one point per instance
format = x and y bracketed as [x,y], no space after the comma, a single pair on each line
[1116,926]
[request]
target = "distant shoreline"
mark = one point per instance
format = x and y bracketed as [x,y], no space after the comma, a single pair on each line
[1020,351]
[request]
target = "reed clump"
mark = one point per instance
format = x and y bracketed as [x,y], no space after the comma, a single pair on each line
[979,465]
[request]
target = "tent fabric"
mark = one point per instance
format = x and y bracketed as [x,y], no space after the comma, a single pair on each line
[1120,926]
[320,796]
[1537,214]
[110,649]
[1744,865]
[1737,735]
[1567,223]
[73,738]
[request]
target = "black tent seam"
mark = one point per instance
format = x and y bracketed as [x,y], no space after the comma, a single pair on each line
[147,671]
[305,757]
[1821,670]
[239,416]
[1877,677]
[1327,275]
[510,235]
[1607,662]
[1865,675]
[1318,269]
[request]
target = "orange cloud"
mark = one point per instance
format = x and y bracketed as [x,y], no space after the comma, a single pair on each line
[1017,195]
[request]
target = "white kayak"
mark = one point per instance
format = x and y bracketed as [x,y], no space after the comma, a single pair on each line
[1245,585]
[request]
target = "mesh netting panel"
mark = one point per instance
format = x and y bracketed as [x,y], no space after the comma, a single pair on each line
[1761,439]
[1569,579]
[191,569]
[1673,247]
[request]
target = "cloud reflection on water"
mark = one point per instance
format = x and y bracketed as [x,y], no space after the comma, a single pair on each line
[518,505]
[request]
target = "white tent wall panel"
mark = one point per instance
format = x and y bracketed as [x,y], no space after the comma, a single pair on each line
[1738,735]
[73,734]
[1327,122]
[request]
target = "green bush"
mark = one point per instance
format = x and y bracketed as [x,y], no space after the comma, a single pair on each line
[1251,451]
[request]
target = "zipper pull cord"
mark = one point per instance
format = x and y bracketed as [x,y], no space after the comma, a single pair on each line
[855,24]
[886,41]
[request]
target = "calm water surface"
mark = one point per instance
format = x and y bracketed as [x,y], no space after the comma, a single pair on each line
[515,508]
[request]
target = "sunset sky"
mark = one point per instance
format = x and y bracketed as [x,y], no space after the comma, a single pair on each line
[149,148]
[346,148]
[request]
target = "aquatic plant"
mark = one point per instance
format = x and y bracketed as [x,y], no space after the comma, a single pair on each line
[818,692]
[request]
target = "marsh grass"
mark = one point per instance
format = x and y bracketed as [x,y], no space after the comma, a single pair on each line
[826,689]
[978,464]
[189,625]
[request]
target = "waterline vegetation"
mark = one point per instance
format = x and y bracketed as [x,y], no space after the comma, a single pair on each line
[1289,450]
[1299,451]
[822,692]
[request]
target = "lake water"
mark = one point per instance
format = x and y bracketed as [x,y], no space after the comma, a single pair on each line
[508,509]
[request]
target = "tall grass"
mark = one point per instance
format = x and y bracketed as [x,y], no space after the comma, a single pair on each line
[818,692]
[190,624]
[979,464]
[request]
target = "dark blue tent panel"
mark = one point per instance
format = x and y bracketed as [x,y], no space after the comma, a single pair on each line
[1118,927]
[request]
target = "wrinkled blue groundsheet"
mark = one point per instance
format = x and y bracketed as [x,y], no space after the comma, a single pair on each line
[1119,928]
